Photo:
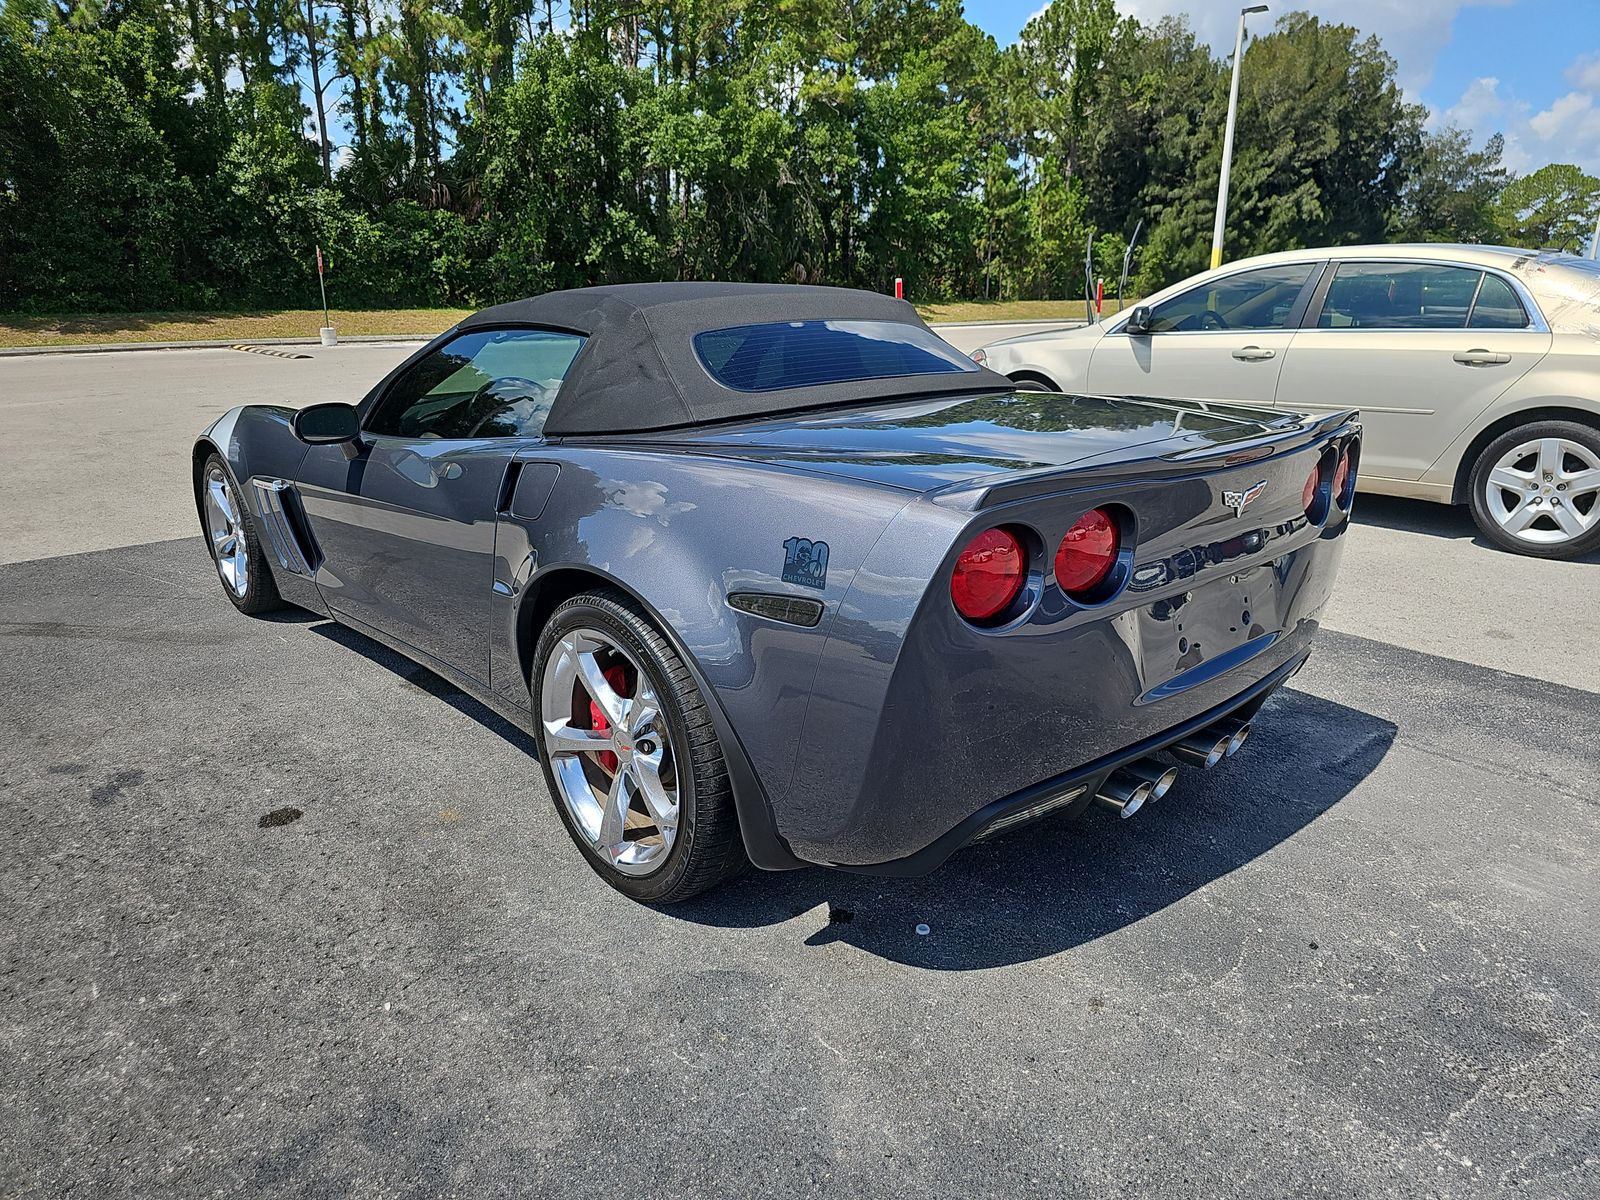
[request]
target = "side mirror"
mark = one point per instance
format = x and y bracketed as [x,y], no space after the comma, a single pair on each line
[1138,320]
[326,424]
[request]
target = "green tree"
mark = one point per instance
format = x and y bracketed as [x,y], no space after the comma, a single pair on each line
[1324,148]
[1452,192]
[156,153]
[561,186]
[1155,126]
[1056,75]
[1555,207]
[94,209]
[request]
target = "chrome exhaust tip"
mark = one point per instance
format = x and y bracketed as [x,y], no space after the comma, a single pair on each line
[1238,732]
[1123,793]
[1206,748]
[1159,777]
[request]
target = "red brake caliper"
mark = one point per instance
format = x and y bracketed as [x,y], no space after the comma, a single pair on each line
[618,680]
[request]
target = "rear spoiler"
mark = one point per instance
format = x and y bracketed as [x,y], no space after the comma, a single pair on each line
[1170,458]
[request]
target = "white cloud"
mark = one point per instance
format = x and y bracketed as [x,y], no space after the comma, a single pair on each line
[1567,131]
[1413,31]
[1481,107]
[1569,112]
[1584,73]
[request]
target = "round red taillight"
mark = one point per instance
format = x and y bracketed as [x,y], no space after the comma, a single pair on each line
[1308,494]
[988,575]
[1341,476]
[1088,552]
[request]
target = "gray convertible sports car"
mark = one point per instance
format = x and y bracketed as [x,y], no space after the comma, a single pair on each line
[775,575]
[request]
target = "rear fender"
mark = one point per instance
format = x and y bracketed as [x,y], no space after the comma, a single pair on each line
[1561,386]
[681,533]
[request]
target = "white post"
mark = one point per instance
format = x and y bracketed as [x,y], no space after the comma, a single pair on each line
[329,337]
[1227,140]
[1594,246]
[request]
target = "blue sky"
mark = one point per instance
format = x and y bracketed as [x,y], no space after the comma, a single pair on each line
[1527,68]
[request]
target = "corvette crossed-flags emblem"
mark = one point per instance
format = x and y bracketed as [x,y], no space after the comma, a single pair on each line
[1238,500]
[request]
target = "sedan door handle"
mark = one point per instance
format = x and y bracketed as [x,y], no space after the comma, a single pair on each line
[1252,353]
[1479,358]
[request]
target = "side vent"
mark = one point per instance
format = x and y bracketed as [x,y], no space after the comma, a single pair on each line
[284,528]
[508,487]
[791,610]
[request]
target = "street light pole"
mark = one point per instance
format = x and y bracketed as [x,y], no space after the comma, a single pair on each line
[1227,140]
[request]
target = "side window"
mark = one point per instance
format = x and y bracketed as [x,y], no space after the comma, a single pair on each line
[1259,299]
[1399,296]
[1497,306]
[495,383]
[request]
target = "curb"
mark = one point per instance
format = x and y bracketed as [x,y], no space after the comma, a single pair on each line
[220,344]
[1063,323]
[356,339]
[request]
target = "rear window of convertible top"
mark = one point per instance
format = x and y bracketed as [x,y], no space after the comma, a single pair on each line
[797,354]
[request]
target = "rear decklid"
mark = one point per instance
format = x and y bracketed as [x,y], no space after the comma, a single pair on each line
[966,447]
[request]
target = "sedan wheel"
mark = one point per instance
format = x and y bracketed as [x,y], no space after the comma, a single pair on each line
[612,755]
[630,752]
[1537,490]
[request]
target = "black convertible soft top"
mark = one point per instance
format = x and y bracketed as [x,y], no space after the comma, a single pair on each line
[639,369]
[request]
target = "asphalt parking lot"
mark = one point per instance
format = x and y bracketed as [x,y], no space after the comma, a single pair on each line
[1358,960]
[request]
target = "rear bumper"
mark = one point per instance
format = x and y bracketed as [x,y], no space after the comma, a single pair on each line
[1076,788]
[910,743]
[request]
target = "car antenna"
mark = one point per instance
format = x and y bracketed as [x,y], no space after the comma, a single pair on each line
[1088,280]
[1127,261]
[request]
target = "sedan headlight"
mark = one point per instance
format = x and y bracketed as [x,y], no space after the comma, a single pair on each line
[980,357]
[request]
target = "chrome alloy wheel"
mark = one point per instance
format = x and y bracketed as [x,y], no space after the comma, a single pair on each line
[611,752]
[225,527]
[1546,491]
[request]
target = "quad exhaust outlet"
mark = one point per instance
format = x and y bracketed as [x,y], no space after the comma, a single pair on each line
[1129,788]
[1212,744]
[1123,792]
[1158,776]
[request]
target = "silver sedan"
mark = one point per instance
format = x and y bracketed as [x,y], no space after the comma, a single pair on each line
[1476,369]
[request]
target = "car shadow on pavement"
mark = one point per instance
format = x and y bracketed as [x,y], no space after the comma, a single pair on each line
[1049,887]
[1453,522]
[291,616]
[1065,882]
[421,678]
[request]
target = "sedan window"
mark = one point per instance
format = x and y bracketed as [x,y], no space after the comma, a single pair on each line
[495,383]
[1399,296]
[1259,299]
[1497,306]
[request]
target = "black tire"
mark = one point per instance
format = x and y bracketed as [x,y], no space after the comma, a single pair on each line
[708,849]
[1033,383]
[1478,488]
[261,589]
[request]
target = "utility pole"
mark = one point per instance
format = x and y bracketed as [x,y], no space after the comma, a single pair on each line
[1227,140]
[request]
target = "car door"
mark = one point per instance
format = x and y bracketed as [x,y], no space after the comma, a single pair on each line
[1421,348]
[405,521]
[1225,339]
